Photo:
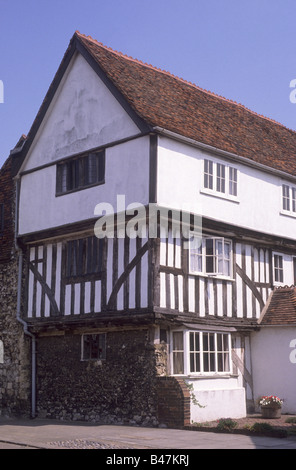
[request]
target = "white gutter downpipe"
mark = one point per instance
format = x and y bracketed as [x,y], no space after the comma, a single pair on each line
[18,312]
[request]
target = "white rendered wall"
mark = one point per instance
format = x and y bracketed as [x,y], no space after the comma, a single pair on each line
[274,372]
[258,205]
[83,115]
[127,170]
[219,398]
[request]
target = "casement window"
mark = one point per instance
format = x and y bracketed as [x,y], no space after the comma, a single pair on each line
[220,178]
[178,352]
[210,256]
[1,218]
[93,346]
[84,257]
[289,199]
[278,268]
[201,352]
[80,172]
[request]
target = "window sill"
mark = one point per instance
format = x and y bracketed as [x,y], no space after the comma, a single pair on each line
[81,188]
[277,284]
[220,196]
[288,214]
[220,277]
[220,375]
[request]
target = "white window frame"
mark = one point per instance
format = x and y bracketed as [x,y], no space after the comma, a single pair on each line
[288,199]
[198,248]
[225,354]
[278,268]
[220,179]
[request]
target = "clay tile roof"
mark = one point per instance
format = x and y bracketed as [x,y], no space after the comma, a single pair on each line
[172,103]
[280,308]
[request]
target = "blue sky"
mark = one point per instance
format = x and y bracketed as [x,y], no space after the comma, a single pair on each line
[243,50]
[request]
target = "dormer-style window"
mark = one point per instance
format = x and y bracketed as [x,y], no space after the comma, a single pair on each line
[289,199]
[80,172]
[210,256]
[220,179]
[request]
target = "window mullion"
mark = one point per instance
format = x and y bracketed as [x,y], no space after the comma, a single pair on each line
[229,354]
[215,177]
[186,355]
[201,347]
[203,256]
[216,352]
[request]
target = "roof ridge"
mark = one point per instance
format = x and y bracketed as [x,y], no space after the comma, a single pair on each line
[186,82]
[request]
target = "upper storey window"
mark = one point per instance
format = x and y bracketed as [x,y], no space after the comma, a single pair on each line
[289,199]
[80,172]
[211,256]
[220,178]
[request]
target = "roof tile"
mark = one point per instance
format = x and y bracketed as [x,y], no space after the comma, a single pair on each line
[166,101]
[281,307]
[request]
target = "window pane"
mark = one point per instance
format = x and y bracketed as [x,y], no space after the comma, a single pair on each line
[294,199]
[191,342]
[205,342]
[278,268]
[81,171]
[84,256]
[220,255]
[194,352]
[209,352]
[210,263]
[208,174]
[94,346]
[92,168]
[196,255]
[62,178]
[206,367]
[71,176]
[178,361]
[286,197]
[233,181]
[223,353]
[220,178]
[178,353]
[227,258]
[212,341]
[178,340]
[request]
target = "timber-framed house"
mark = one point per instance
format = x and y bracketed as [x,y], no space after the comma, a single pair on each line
[126,324]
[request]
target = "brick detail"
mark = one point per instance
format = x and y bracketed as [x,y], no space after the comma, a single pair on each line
[173,398]
[6,198]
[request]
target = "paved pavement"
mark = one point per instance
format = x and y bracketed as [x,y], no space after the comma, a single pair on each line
[50,434]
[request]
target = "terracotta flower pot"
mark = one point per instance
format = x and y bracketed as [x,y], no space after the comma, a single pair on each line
[271,412]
